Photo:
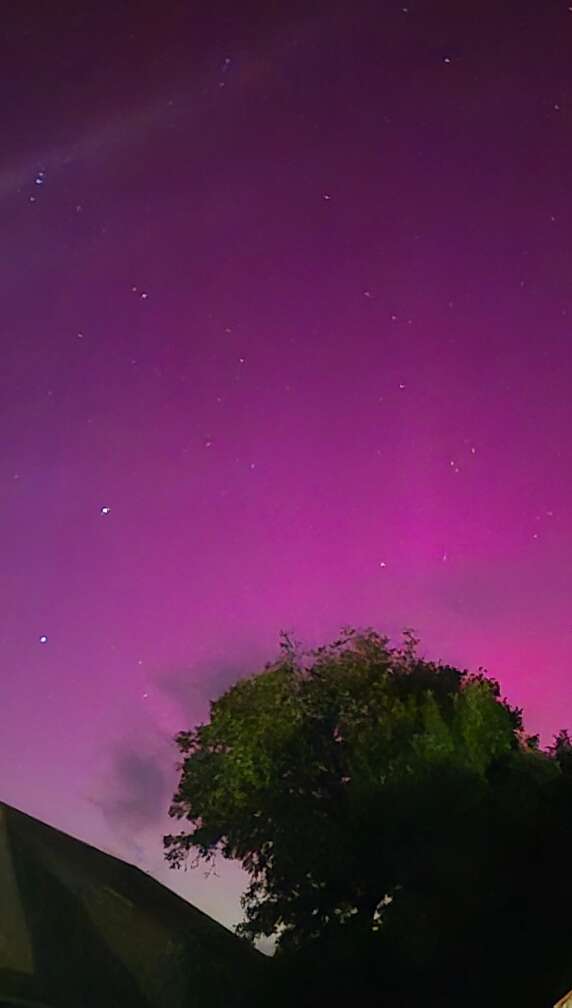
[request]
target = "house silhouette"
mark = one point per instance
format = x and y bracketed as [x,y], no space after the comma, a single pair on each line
[82,929]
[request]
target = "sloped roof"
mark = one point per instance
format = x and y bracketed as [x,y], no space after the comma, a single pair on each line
[82,929]
[565,1002]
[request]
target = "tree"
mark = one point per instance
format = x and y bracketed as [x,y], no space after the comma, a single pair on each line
[349,787]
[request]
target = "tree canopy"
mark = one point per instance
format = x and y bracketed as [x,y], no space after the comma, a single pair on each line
[374,797]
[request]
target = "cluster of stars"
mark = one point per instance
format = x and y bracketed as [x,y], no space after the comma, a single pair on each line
[547,514]
[453,464]
[226,64]
[39,181]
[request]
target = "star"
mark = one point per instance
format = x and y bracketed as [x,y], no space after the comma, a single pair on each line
[105,510]
[43,639]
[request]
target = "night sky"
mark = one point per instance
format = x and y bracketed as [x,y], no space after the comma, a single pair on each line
[286,332]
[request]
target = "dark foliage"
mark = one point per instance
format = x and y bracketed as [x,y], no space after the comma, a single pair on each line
[405,838]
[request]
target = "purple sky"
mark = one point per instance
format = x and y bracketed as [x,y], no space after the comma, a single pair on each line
[290,294]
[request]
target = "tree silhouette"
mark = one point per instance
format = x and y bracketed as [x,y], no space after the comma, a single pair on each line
[391,813]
